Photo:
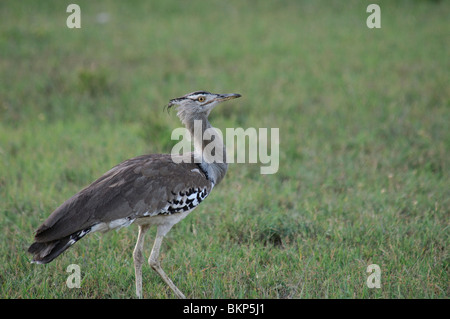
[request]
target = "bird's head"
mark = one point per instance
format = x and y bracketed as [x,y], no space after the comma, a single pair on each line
[198,103]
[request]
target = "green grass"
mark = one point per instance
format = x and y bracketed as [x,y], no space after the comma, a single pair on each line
[364,143]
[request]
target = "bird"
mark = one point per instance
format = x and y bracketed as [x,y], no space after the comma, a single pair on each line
[148,190]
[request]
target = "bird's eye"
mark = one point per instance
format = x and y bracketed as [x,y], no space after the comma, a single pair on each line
[201,99]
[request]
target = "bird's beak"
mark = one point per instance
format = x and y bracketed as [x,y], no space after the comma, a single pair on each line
[226,97]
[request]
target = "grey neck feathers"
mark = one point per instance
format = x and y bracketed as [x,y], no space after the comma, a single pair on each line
[213,156]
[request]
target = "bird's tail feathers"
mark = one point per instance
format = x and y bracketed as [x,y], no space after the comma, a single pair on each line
[45,252]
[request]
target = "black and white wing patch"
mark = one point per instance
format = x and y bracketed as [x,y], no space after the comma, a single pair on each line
[182,202]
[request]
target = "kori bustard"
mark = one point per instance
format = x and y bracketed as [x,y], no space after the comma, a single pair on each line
[156,189]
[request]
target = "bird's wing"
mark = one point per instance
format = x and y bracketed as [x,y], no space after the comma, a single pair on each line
[143,186]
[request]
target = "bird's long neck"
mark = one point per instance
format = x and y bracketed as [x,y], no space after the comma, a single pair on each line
[209,147]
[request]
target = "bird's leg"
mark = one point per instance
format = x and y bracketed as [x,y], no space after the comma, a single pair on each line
[139,258]
[154,263]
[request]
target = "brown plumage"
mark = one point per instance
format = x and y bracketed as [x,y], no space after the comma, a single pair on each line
[157,189]
[145,184]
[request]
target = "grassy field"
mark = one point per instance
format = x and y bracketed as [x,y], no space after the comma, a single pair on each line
[364,143]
